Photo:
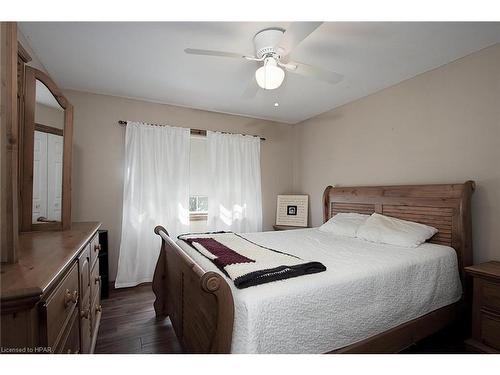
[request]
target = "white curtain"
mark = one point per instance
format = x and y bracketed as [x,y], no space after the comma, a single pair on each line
[234,197]
[156,192]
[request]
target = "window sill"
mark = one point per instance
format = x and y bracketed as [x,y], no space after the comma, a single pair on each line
[198,217]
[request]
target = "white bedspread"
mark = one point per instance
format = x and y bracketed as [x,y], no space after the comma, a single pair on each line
[367,289]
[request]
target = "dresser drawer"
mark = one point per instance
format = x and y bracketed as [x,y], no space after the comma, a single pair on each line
[95,247]
[490,293]
[490,330]
[59,306]
[84,272]
[85,326]
[70,341]
[95,311]
[95,281]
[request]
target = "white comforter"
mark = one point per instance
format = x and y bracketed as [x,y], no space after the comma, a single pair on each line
[367,289]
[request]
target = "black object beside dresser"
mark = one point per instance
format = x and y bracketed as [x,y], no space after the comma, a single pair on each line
[104,263]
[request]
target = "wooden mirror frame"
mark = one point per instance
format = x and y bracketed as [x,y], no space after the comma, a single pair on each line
[26,172]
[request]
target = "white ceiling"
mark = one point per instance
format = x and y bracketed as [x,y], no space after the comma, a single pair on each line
[147,61]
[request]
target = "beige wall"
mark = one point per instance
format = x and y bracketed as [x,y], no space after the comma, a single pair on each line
[442,126]
[98,155]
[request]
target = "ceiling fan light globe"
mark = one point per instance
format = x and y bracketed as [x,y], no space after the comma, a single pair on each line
[269,77]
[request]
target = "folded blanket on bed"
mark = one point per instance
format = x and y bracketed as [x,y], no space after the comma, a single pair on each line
[247,263]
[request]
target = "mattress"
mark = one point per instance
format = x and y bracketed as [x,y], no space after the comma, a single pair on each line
[367,289]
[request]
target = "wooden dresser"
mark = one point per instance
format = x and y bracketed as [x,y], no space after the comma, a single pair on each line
[485,308]
[50,299]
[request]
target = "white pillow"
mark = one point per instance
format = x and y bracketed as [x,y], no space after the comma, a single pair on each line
[344,224]
[389,230]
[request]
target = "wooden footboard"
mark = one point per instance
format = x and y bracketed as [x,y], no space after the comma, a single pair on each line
[199,303]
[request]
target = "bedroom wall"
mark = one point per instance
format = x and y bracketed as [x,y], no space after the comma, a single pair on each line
[98,155]
[442,126]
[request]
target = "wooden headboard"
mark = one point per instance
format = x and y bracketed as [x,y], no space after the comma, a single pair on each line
[445,207]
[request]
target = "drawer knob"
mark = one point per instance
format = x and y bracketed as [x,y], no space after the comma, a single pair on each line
[85,314]
[97,280]
[97,247]
[70,297]
[98,308]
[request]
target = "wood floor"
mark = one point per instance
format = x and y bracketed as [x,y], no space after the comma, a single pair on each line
[129,325]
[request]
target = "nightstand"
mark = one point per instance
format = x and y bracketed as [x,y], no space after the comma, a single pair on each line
[286,227]
[485,307]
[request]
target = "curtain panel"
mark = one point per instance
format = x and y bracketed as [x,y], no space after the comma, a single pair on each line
[234,194]
[156,192]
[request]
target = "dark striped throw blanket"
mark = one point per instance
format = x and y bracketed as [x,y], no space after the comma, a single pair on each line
[247,263]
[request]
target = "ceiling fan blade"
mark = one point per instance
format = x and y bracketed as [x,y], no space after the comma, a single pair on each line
[314,72]
[296,33]
[207,52]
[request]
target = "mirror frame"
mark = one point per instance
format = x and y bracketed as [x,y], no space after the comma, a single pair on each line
[27,139]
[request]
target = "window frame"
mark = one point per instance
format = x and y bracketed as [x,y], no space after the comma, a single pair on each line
[198,215]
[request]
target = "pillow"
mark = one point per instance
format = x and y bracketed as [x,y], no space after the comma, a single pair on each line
[392,231]
[344,224]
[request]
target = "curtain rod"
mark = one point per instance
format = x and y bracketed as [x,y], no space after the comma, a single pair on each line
[197,131]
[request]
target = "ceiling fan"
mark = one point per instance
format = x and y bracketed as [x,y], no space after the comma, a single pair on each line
[272,48]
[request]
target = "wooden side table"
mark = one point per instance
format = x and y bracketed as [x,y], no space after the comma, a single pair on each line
[485,307]
[286,227]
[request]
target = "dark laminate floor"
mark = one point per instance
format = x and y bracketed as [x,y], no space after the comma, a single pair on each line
[129,325]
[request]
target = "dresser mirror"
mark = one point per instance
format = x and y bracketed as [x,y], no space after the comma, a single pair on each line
[46,164]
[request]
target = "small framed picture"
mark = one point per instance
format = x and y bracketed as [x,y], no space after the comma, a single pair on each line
[292,210]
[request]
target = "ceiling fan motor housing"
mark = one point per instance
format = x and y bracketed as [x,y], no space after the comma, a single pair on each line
[265,42]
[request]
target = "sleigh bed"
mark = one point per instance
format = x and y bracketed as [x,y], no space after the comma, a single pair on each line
[203,305]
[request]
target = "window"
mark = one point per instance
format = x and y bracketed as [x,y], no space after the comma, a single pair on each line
[198,194]
[198,204]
